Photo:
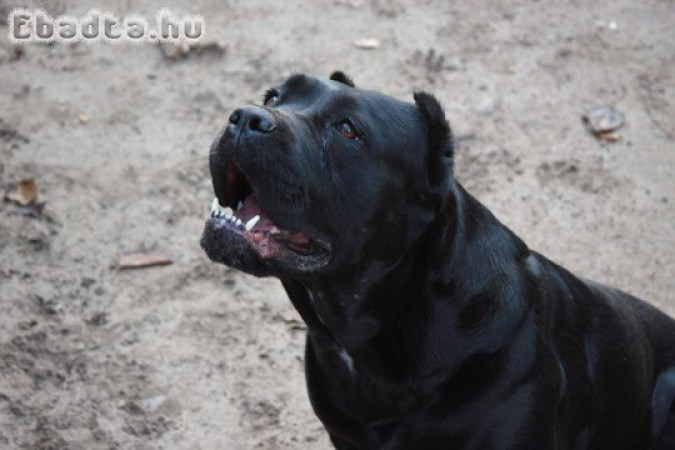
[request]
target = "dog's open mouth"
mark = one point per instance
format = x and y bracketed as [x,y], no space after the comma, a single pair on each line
[237,210]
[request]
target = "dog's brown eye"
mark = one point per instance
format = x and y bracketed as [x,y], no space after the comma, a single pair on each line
[347,129]
[270,97]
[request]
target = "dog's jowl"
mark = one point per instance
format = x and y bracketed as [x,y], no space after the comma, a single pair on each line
[430,324]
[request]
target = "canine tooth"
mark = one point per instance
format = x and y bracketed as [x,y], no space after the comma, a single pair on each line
[251,223]
[240,205]
[227,211]
[275,230]
[215,205]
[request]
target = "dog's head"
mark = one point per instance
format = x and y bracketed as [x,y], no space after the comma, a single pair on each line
[323,175]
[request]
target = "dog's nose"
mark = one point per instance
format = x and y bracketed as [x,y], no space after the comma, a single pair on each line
[253,119]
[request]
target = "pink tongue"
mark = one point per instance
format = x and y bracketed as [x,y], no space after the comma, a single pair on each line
[251,209]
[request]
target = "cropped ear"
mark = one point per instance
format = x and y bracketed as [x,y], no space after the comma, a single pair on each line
[340,77]
[439,139]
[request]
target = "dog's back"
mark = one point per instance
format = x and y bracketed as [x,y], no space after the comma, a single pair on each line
[623,352]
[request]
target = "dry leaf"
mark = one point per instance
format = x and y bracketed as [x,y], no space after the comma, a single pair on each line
[367,44]
[24,192]
[182,50]
[608,136]
[141,260]
[175,51]
[292,320]
[214,47]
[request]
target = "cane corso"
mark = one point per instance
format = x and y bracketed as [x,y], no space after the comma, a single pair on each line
[430,324]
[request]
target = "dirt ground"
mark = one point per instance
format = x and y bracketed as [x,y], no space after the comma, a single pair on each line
[195,356]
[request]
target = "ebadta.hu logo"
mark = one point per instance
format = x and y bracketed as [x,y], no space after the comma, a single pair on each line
[36,25]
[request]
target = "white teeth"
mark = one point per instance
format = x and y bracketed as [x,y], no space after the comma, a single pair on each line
[217,210]
[220,212]
[275,230]
[251,223]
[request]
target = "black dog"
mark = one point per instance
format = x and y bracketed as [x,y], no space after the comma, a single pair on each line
[431,325]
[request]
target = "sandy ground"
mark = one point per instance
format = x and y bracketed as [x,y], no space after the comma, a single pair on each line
[195,356]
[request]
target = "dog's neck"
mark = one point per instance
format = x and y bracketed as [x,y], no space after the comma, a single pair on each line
[465,249]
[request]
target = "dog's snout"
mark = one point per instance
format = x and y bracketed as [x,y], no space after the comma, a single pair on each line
[253,119]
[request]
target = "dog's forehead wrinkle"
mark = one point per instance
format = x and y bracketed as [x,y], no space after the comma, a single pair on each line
[296,80]
[308,87]
[400,125]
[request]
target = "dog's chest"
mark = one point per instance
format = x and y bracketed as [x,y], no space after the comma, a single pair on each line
[347,360]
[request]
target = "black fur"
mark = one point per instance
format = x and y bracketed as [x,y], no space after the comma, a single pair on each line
[430,324]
